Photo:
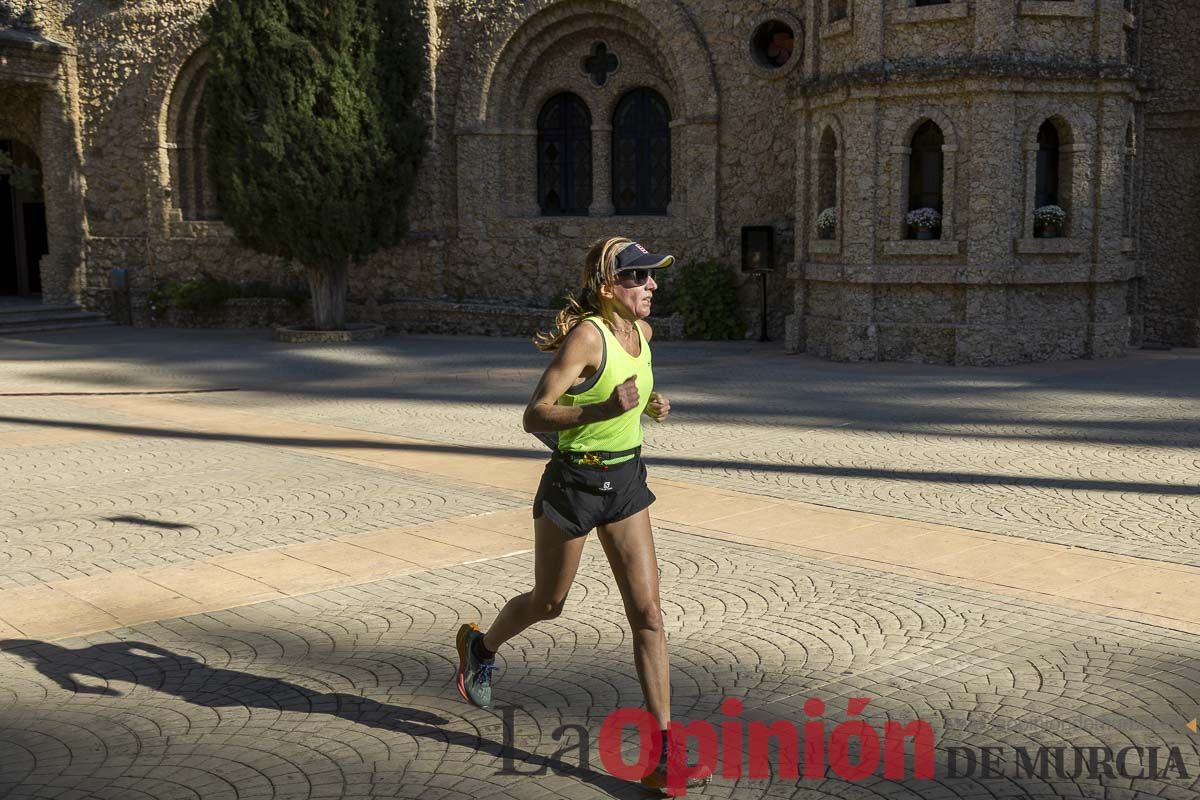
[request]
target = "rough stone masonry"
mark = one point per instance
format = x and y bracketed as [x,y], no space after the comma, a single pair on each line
[984,111]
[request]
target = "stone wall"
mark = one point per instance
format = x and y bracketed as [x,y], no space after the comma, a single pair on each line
[1168,212]
[39,85]
[744,149]
[987,291]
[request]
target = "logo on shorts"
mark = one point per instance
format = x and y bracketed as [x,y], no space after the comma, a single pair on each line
[607,487]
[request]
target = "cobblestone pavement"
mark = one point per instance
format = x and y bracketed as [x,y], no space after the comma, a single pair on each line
[346,692]
[89,508]
[1100,455]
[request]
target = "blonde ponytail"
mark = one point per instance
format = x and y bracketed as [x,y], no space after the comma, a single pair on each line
[599,269]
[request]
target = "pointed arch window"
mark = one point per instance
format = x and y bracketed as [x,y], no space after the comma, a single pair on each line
[827,181]
[925,168]
[564,156]
[1053,167]
[827,170]
[1051,159]
[641,154]
[195,192]
[1048,165]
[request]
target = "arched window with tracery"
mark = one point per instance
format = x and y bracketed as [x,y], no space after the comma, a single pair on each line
[641,154]
[925,168]
[564,155]
[195,195]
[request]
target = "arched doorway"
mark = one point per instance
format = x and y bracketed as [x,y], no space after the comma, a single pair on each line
[23,238]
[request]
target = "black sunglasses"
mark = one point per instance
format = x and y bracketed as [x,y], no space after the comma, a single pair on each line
[633,277]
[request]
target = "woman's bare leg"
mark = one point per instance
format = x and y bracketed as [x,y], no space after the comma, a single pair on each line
[629,545]
[556,560]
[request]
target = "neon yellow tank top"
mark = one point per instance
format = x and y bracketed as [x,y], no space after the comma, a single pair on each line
[623,432]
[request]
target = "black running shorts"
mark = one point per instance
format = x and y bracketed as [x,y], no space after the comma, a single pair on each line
[577,497]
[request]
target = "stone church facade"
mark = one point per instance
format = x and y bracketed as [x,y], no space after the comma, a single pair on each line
[681,123]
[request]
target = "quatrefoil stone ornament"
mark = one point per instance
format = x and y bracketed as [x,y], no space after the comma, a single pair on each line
[600,64]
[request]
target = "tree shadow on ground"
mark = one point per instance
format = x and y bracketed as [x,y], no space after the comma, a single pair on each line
[971,479]
[191,680]
[737,381]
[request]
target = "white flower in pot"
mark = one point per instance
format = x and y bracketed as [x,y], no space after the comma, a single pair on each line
[827,223]
[924,221]
[1049,220]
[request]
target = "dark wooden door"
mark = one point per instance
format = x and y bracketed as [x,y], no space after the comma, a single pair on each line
[23,235]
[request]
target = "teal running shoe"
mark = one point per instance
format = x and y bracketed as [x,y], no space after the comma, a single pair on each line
[474,678]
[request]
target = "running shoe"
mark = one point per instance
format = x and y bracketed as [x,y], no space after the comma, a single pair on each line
[657,780]
[474,678]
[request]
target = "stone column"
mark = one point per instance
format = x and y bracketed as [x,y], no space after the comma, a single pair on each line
[1108,315]
[1029,151]
[1110,24]
[522,180]
[794,328]
[863,170]
[992,201]
[62,187]
[868,21]
[1115,113]
[602,204]
[855,336]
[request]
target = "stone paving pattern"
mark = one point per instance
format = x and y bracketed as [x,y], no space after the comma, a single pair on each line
[135,502]
[1099,454]
[346,692]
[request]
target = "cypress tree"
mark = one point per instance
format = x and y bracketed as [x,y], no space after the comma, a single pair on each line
[314,132]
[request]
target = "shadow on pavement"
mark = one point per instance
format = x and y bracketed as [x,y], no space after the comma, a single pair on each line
[969,478]
[189,679]
[148,523]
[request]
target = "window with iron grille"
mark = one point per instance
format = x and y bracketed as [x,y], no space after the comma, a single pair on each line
[564,156]
[641,154]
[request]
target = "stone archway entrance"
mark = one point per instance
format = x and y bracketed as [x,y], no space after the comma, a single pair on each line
[42,213]
[23,234]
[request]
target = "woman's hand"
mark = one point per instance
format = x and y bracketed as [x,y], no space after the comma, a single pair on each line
[623,397]
[658,408]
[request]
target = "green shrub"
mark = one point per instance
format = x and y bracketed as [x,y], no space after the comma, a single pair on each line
[204,293]
[705,294]
[208,293]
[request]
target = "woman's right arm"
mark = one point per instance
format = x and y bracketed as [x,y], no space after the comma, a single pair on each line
[581,348]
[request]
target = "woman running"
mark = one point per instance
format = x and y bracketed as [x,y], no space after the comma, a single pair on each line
[591,398]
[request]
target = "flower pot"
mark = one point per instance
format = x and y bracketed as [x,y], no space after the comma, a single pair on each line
[826,234]
[1050,232]
[924,233]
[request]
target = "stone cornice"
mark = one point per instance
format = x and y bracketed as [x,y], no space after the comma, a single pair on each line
[879,74]
[29,39]
[28,57]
